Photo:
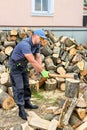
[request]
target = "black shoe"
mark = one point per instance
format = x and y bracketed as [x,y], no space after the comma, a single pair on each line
[28,105]
[22,113]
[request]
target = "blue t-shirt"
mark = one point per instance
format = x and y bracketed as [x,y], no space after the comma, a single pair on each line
[24,47]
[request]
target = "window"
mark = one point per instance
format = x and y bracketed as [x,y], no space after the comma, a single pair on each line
[85,2]
[42,7]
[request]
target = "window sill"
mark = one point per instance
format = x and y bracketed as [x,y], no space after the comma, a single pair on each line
[42,15]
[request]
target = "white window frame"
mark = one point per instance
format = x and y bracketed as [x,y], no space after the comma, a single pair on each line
[50,11]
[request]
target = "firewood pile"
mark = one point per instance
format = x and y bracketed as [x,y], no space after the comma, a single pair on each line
[60,55]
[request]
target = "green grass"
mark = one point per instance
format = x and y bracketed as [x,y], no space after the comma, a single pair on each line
[37,95]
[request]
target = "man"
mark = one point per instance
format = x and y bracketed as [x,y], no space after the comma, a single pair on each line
[27,50]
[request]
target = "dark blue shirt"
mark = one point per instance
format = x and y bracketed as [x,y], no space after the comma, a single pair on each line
[24,47]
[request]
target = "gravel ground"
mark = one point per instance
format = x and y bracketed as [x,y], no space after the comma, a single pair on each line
[9,118]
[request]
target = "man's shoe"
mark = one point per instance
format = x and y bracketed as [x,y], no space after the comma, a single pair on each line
[22,113]
[28,105]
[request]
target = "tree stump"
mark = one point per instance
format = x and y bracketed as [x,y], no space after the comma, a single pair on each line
[72,88]
[6,101]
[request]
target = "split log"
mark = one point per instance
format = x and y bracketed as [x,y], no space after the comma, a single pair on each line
[9,43]
[34,85]
[59,82]
[77,58]
[64,56]
[2,57]
[2,48]
[82,127]
[36,122]
[3,88]
[5,79]
[72,88]
[72,51]
[3,36]
[56,50]
[18,127]
[69,48]
[61,70]
[10,91]
[53,125]
[68,127]
[69,111]
[13,32]
[2,68]
[21,33]
[74,120]
[51,110]
[8,50]
[55,58]
[46,51]
[50,84]
[81,112]
[52,36]
[49,63]
[63,111]
[67,41]
[6,101]
[81,102]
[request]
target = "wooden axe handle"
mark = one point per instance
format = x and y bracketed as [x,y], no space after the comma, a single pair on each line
[61,76]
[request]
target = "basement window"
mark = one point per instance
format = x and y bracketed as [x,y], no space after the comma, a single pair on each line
[42,7]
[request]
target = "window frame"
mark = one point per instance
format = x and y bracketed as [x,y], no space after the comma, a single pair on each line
[50,11]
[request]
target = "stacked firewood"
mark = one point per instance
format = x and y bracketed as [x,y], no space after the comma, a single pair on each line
[60,55]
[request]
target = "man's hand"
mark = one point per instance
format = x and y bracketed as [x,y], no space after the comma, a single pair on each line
[45,73]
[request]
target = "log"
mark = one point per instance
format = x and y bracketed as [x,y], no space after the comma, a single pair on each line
[9,43]
[52,36]
[81,112]
[68,127]
[82,127]
[53,125]
[3,88]
[34,85]
[18,127]
[49,63]
[50,84]
[72,88]
[8,50]
[75,121]
[59,82]
[69,111]
[77,58]
[10,91]
[13,32]
[2,57]
[46,51]
[36,122]
[63,111]
[6,102]
[5,79]
[61,70]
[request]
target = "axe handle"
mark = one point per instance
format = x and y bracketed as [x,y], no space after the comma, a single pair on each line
[61,76]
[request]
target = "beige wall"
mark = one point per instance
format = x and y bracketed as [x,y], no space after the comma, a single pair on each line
[18,13]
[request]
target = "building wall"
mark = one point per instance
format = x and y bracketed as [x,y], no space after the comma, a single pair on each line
[18,13]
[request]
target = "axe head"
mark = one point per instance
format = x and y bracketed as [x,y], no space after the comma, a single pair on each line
[76,76]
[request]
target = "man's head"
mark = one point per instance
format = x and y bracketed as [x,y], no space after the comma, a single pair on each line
[38,36]
[41,33]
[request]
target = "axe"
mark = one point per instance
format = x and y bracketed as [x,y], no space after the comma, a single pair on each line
[73,76]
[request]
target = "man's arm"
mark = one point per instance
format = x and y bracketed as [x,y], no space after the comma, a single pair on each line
[36,63]
[38,58]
